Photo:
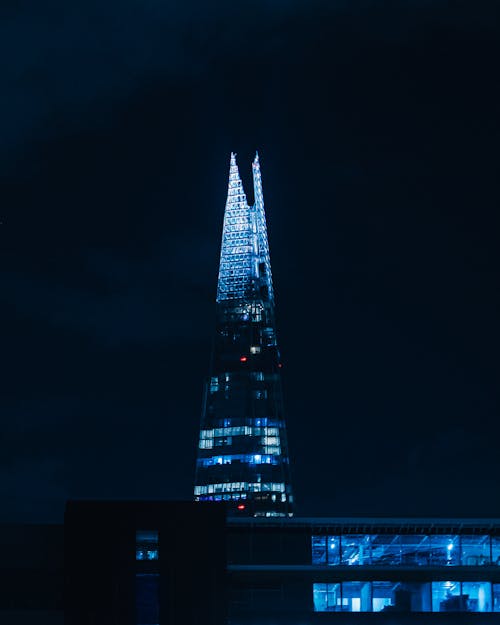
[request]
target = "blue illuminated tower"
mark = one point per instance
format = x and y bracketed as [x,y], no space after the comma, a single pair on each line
[243,453]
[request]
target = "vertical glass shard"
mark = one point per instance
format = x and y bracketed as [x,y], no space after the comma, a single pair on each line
[243,452]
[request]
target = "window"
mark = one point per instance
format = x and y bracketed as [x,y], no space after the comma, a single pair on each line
[445,550]
[270,440]
[412,549]
[260,394]
[327,597]
[399,596]
[384,596]
[356,549]
[223,441]
[495,550]
[333,550]
[446,597]
[477,595]
[475,550]
[496,597]
[356,597]
[318,544]
[386,549]
[146,545]
[415,550]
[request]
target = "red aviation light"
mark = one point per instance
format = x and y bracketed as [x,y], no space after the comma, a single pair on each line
[241,506]
[243,359]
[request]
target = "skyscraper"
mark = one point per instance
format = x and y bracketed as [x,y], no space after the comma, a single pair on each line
[243,453]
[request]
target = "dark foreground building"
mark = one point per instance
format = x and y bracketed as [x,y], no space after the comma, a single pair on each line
[165,563]
[243,455]
[130,563]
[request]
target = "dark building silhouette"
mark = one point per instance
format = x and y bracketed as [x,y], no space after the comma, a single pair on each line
[144,563]
[243,455]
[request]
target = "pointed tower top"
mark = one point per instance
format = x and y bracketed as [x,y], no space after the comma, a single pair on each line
[245,269]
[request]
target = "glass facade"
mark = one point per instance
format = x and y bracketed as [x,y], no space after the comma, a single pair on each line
[406,550]
[394,596]
[242,449]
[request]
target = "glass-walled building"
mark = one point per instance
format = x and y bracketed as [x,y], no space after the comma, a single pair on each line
[305,571]
[242,451]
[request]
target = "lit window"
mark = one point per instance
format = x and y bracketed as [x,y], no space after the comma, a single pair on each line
[255,349]
[270,440]
[223,441]
[146,545]
[478,596]
[446,597]
[273,450]
[260,394]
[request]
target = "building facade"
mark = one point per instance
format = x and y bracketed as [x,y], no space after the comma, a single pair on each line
[163,563]
[387,571]
[243,454]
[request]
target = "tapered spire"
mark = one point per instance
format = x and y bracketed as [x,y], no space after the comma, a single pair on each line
[245,268]
[263,244]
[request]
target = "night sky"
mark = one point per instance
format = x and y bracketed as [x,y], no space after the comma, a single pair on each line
[377,129]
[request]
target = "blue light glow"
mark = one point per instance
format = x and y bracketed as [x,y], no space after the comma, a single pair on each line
[245,267]
[245,458]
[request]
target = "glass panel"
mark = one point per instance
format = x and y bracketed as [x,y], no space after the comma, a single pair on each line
[446,597]
[475,550]
[383,597]
[318,549]
[477,595]
[356,597]
[356,549]
[386,550]
[495,550]
[415,550]
[326,597]
[413,597]
[496,597]
[333,548]
[445,550]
